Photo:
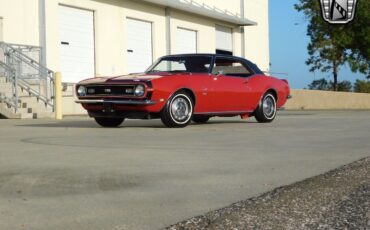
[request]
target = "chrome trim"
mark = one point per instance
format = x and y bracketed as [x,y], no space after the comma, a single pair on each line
[120,102]
[224,112]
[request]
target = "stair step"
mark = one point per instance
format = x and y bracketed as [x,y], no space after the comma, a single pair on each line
[44,115]
[27,116]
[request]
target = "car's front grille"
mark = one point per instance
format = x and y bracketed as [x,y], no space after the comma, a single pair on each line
[111,90]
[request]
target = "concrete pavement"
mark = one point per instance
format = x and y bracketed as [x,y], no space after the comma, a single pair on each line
[72,174]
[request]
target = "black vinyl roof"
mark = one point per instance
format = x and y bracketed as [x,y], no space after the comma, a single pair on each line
[250,64]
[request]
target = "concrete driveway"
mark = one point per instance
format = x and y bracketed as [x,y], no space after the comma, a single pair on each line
[73,174]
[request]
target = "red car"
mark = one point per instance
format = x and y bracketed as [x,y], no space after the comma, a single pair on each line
[179,89]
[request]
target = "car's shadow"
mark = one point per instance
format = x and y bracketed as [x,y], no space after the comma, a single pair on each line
[156,124]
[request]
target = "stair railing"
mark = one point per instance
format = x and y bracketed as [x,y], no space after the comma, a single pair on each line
[26,74]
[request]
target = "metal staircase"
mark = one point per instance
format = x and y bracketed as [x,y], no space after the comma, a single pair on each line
[26,86]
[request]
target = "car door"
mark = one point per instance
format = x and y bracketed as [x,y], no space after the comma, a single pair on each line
[230,85]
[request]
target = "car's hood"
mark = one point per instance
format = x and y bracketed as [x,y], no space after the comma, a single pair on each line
[131,77]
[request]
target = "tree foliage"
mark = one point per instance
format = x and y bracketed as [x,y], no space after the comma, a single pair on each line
[332,46]
[323,84]
[362,86]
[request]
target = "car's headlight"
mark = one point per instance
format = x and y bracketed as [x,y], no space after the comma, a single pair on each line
[81,91]
[139,90]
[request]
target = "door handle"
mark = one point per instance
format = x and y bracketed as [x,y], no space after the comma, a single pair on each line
[246,82]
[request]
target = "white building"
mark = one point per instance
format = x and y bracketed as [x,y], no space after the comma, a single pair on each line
[85,38]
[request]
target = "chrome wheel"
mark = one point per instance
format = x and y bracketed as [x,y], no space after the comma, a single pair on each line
[269,106]
[181,109]
[266,110]
[178,111]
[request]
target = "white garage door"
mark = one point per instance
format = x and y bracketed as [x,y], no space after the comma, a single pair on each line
[77,51]
[224,38]
[186,41]
[139,45]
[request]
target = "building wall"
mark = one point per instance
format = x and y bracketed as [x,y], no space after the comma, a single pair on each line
[20,21]
[257,37]
[21,25]
[110,39]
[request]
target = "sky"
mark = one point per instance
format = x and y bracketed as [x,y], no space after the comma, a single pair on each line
[288,47]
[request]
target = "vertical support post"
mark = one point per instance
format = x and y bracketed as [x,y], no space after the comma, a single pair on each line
[168,30]
[242,29]
[42,32]
[47,86]
[15,87]
[58,96]
[1,29]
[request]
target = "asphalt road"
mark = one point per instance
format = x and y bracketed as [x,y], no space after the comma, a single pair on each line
[73,174]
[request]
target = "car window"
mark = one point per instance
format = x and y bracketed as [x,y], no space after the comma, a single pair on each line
[165,65]
[230,67]
[192,64]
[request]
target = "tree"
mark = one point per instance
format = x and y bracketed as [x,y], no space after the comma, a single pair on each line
[362,86]
[359,58]
[345,86]
[320,84]
[331,46]
[323,84]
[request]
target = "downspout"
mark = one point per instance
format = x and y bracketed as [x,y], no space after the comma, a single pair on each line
[42,32]
[168,30]
[242,29]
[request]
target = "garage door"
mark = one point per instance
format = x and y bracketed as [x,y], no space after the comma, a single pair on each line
[224,39]
[77,51]
[139,45]
[186,41]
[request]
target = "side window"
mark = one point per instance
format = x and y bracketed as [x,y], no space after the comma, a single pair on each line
[230,67]
[170,66]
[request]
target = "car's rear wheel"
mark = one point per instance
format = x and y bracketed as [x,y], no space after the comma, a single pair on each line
[178,110]
[109,122]
[266,111]
[201,119]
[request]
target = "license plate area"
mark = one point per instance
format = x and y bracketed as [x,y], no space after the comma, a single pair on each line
[108,108]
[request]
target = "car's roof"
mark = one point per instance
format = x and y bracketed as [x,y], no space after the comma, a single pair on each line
[253,66]
[202,54]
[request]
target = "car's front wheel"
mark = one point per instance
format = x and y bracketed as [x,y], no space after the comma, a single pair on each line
[266,111]
[178,111]
[109,122]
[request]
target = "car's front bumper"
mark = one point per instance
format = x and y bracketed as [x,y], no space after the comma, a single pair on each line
[116,102]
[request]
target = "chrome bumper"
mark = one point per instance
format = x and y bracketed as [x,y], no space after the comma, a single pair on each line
[117,102]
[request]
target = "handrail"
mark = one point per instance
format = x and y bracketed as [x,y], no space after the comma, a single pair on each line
[9,74]
[24,72]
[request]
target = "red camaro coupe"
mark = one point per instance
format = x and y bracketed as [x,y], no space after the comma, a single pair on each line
[179,89]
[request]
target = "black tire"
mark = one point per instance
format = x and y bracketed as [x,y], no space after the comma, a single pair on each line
[201,119]
[178,110]
[109,122]
[266,111]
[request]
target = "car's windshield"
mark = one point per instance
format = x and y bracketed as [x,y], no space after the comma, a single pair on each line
[193,64]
